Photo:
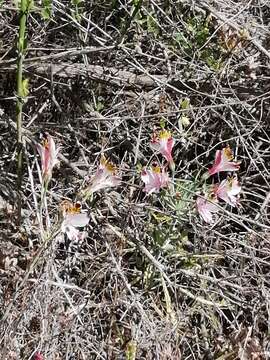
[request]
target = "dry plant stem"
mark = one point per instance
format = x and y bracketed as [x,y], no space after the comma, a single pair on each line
[45,243]
[63,54]
[130,79]
[43,202]
[69,300]
[160,268]
[184,292]
[235,27]
[19,105]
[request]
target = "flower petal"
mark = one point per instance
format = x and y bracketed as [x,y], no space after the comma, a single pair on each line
[48,153]
[206,208]
[77,220]
[228,190]
[71,232]
[223,162]
[163,143]
[104,177]
[154,179]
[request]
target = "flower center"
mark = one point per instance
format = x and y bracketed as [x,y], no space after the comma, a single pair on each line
[164,134]
[156,169]
[67,207]
[45,144]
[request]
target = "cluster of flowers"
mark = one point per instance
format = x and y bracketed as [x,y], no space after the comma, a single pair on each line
[227,190]
[73,216]
[154,179]
[157,177]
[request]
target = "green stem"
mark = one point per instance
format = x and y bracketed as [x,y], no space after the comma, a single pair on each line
[136,9]
[19,104]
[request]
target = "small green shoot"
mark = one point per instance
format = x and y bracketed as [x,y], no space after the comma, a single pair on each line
[24,91]
[46,11]
[152,25]
[131,350]
[78,5]
[162,123]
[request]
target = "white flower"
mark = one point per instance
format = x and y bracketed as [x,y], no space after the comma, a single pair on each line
[154,179]
[228,190]
[206,208]
[163,143]
[73,219]
[105,177]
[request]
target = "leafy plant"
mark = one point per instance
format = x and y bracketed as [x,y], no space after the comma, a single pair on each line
[46,11]
[77,4]
[182,197]
[152,26]
[193,40]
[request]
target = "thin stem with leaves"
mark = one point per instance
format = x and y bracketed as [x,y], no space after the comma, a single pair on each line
[21,94]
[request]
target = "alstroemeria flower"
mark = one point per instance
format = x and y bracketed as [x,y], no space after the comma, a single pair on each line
[163,143]
[223,162]
[228,190]
[73,219]
[104,177]
[48,153]
[206,208]
[154,179]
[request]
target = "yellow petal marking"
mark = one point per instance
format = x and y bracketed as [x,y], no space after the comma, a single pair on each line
[228,153]
[164,134]
[67,207]
[156,169]
[109,166]
[45,144]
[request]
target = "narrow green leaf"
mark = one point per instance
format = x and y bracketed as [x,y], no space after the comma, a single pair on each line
[131,350]
[25,88]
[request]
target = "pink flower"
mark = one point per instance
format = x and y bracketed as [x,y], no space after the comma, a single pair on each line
[73,219]
[48,153]
[228,190]
[223,162]
[38,356]
[154,179]
[206,208]
[104,178]
[163,143]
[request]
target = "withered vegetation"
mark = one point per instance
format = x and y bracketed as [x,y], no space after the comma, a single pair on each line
[151,280]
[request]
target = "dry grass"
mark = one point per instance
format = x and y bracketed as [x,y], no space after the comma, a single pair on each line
[151,281]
